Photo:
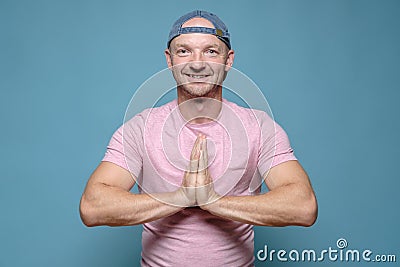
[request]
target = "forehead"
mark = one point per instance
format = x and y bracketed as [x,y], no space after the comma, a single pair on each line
[197,40]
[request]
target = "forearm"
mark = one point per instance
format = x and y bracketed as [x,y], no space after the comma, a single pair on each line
[288,205]
[106,205]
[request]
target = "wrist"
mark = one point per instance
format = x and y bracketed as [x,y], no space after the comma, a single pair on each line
[212,203]
[181,199]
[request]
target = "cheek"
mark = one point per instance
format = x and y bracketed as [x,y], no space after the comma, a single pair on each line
[220,62]
[178,60]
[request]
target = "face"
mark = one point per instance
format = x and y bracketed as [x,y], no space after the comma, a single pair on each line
[199,62]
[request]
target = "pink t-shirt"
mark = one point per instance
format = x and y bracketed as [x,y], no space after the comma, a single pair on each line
[155,146]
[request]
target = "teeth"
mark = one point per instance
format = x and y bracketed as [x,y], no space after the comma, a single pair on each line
[197,76]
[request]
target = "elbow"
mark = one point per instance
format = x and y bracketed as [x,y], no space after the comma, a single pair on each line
[87,213]
[309,212]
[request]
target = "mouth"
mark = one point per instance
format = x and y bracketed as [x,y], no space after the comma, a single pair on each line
[196,76]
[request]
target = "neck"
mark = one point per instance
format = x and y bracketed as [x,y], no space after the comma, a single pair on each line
[200,109]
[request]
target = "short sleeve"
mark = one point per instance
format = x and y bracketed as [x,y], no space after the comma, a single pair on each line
[115,150]
[126,146]
[274,147]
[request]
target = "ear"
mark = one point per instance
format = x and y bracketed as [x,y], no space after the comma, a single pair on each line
[168,58]
[229,60]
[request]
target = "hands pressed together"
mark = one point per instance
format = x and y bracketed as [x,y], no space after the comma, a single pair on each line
[197,186]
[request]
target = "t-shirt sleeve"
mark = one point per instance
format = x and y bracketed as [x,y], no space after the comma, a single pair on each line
[115,150]
[125,146]
[275,147]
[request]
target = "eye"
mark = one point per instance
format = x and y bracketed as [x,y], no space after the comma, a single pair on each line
[182,52]
[211,53]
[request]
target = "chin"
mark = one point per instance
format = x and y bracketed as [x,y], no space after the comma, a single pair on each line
[199,90]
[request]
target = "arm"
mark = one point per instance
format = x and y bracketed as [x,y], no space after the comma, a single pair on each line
[107,200]
[290,201]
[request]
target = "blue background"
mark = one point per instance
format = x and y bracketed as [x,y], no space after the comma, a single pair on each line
[329,69]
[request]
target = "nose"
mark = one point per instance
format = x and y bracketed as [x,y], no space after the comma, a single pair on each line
[197,62]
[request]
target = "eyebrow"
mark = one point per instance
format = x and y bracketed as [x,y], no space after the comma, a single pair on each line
[215,45]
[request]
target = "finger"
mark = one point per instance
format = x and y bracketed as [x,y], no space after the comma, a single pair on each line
[205,152]
[200,177]
[194,156]
[202,165]
[189,179]
[204,159]
[193,165]
[196,148]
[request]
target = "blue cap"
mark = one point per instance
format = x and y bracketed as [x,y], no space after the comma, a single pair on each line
[219,30]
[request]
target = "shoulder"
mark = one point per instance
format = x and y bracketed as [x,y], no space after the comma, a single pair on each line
[249,116]
[150,116]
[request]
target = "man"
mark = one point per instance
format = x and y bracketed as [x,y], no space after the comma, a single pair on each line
[194,160]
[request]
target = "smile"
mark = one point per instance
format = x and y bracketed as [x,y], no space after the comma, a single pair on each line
[197,76]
